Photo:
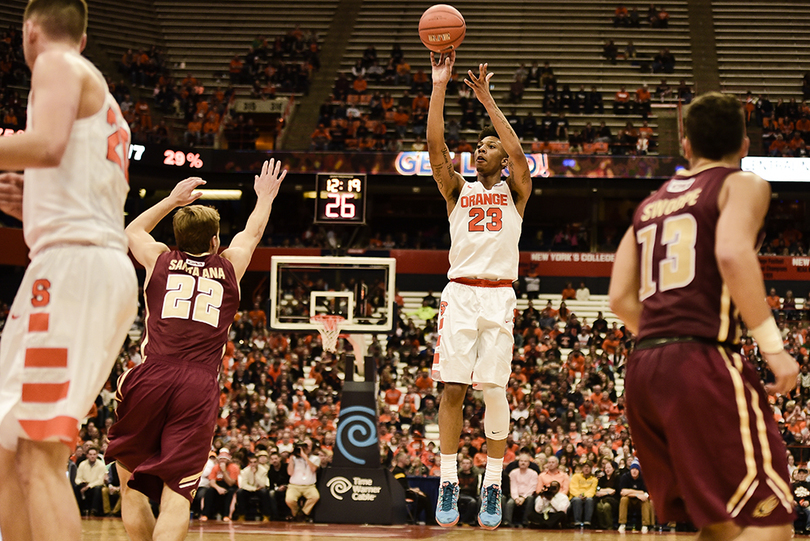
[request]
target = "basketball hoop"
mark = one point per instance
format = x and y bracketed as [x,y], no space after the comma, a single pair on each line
[329,328]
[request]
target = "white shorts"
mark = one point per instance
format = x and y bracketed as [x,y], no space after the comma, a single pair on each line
[63,334]
[475,335]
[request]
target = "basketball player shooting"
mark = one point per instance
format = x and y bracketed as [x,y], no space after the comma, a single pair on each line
[476,310]
[684,273]
[168,404]
[78,297]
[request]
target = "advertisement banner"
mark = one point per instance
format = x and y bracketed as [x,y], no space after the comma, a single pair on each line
[171,157]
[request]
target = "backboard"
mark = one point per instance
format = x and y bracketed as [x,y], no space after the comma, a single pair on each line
[360,289]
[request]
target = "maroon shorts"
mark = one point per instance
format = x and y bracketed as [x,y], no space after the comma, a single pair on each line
[706,438]
[165,422]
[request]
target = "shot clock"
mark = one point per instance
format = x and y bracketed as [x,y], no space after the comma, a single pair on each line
[340,198]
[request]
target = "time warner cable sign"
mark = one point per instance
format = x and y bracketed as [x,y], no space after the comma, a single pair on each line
[362,489]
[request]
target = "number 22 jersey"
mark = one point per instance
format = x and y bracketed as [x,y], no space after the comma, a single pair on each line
[190,305]
[484,232]
[681,289]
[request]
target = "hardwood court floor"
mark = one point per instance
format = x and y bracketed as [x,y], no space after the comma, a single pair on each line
[111,529]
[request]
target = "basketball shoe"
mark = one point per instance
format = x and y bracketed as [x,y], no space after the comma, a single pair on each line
[447,506]
[489,516]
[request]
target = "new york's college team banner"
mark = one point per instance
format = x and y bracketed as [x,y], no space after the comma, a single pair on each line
[562,264]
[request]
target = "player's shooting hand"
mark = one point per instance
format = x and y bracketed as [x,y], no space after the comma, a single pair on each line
[480,84]
[183,194]
[268,182]
[11,194]
[785,370]
[442,67]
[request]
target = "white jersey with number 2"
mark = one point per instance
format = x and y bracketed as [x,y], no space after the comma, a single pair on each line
[484,232]
[81,201]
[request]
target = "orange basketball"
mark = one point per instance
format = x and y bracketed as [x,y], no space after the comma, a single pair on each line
[442,28]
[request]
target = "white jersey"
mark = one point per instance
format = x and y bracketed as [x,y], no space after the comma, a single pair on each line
[81,201]
[484,232]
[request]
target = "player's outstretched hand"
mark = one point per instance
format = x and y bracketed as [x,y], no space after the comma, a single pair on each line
[183,194]
[480,84]
[11,194]
[442,66]
[267,183]
[785,370]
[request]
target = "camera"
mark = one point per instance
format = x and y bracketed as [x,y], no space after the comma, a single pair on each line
[299,450]
[551,490]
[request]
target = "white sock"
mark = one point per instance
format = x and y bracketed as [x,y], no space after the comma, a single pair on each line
[492,475]
[449,469]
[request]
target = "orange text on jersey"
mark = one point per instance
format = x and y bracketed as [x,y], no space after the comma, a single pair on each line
[483,199]
[666,207]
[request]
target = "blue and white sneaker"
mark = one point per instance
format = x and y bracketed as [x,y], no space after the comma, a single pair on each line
[447,506]
[489,516]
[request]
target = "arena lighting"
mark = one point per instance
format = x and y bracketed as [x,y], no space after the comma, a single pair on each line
[778,169]
[221,195]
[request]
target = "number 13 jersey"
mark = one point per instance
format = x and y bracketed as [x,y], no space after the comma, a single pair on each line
[190,305]
[681,289]
[484,233]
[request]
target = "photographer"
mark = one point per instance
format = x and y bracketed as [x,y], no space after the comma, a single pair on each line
[550,508]
[302,468]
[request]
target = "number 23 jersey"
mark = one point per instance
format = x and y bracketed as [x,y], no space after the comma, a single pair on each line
[484,232]
[190,305]
[681,289]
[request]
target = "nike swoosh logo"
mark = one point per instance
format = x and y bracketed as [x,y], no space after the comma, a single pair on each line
[15,316]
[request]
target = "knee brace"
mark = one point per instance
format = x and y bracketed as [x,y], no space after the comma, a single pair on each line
[496,419]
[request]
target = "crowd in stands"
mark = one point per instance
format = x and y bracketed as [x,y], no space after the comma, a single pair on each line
[13,72]
[281,392]
[785,124]
[656,17]
[285,65]
[787,242]
[357,118]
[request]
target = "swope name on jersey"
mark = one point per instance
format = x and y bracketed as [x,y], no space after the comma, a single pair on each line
[479,199]
[665,207]
[216,273]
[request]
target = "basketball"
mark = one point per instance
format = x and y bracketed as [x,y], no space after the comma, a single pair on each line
[442,28]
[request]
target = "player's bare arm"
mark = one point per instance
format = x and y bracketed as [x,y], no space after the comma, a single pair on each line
[445,175]
[143,246]
[743,203]
[520,180]
[57,84]
[11,194]
[244,243]
[624,282]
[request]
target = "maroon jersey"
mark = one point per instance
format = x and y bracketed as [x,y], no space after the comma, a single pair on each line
[190,305]
[681,289]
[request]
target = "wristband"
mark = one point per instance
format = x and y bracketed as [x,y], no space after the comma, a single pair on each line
[768,337]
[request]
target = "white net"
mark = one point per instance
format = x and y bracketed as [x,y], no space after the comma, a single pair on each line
[329,328]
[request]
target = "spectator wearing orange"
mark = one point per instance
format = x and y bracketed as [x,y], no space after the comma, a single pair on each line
[569,292]
[194,131]
[10,118]
[420,102]
[778,146]
[621,17]
[401,120]
[320,138]
[360,85]
[210,131]
[774,302]
[620,102]
[403,75]
[643,101]
[420,81]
